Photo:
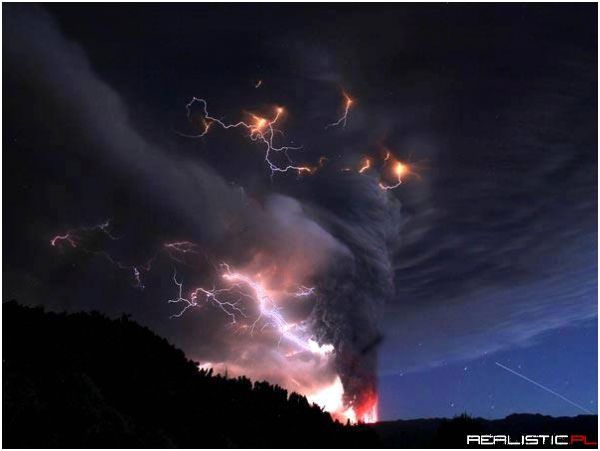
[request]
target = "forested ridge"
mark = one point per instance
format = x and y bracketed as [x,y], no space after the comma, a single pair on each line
[84,380]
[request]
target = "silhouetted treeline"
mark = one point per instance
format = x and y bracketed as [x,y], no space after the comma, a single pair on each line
[83,380]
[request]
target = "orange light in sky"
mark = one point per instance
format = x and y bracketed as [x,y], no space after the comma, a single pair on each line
[366,165]
[400,169]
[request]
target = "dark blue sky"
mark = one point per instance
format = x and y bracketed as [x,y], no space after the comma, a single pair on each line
[496,259]
[563,360]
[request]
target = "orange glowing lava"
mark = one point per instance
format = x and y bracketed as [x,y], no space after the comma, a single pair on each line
[366,412]
[330,398]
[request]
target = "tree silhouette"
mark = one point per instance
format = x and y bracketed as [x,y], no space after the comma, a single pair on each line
[453,433]
[84,380]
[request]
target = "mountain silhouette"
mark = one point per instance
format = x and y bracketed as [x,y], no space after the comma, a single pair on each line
[85,381]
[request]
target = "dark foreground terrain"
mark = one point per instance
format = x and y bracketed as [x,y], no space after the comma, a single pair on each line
[444,433]
[85,381]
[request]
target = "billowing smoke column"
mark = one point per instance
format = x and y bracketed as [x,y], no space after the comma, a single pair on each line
[355,287]
[344,245]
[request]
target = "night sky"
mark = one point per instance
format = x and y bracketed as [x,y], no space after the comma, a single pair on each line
[492,257]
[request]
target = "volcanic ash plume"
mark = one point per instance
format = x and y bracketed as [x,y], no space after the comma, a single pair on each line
[342,248]
[354,289]
[302,278]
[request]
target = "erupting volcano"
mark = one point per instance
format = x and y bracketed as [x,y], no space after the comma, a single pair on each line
[294,204]
[303,302]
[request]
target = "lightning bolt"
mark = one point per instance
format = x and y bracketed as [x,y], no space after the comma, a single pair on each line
[76,239]
[75,236]
[399,170]
[231,309]
[344,118]
[245,287]
[366,165]
[304,292]
[244,298]
[260,130]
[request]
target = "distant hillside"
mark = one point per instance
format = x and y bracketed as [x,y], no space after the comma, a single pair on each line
[83,380]
[444,433]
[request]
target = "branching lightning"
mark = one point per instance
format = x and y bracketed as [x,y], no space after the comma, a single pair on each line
[304,292]
[76,239]
[246,298]
[344,118]
[269,314]
[390,168]
[231,309]
[261,130]
[75,236]
[399,170]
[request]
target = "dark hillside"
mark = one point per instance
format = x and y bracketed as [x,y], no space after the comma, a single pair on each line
[83,380]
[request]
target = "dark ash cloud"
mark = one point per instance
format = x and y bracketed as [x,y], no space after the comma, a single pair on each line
[496,244]
[345,250]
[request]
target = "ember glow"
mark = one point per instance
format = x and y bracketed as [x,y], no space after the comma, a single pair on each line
[367,411]
[365,415]
[330,399]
